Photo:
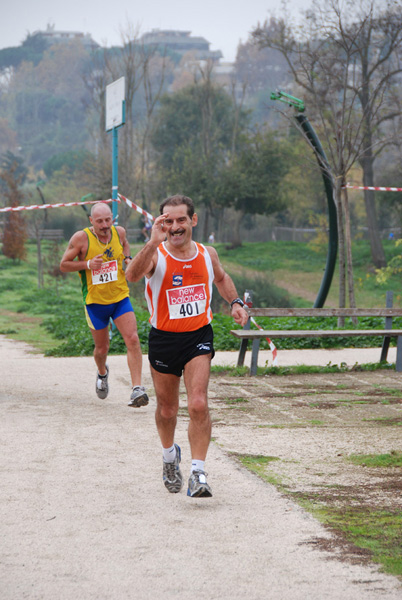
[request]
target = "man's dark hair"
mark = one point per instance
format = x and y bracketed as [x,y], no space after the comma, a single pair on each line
[176,200]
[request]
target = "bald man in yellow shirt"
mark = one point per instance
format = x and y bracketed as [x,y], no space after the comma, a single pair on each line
[98,253]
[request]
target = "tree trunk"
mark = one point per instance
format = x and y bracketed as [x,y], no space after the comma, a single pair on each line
[349,259]
[39,257]
[367,162]
[236,239]
[341,253]
[377,251]
[221,225]
[205,229]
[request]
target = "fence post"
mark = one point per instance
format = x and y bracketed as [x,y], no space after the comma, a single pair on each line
[389,298]
[248,300]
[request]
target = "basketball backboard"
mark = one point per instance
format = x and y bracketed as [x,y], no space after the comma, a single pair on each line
[114,103]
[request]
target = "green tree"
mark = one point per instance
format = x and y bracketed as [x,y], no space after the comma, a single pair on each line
[44,103]
[251,183]
[72,161]
[195,137]
[346,60]
[31,50]
[183,121]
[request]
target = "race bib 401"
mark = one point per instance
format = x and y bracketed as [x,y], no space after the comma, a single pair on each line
[185,302]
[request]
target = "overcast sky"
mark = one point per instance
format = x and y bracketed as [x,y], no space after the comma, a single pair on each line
[224,23]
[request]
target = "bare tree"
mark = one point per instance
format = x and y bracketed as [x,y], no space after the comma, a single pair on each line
[144,72]
[345,59]
[154,67]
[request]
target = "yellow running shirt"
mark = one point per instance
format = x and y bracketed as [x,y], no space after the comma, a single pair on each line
[108,284]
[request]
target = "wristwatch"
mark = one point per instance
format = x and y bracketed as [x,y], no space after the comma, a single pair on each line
[237,301]
[130,257]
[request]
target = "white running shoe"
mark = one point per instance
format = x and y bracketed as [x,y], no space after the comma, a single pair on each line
[102,385]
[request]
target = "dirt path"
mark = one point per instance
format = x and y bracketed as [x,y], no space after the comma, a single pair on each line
[84,513]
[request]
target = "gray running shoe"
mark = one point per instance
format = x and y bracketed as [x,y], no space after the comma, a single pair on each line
[102,386]
[197,485]
[138,397]
[172,477]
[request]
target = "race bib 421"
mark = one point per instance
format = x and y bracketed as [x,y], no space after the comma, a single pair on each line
[106,274]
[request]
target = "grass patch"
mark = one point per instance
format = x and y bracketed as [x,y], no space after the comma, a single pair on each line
[62,331]
[258,464]
[234,401]
[30,331]
[386,421]
[378,531]
[350,402]
[396,392]
[393,459]
[231,371]
[302,369]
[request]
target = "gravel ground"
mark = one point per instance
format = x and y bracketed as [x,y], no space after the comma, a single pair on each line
[84,513]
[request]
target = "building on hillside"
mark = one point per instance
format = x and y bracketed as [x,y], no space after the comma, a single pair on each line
[180,42]
[52,36]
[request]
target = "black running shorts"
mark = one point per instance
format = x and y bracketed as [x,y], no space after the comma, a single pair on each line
[169,352]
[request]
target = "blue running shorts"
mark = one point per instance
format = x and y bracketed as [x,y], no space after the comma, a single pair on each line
[99,315]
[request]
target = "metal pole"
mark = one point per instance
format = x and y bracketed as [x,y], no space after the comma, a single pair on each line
[115,174]
[332,214]
[329,190]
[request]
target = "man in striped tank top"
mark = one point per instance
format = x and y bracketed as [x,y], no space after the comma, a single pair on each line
[179,274]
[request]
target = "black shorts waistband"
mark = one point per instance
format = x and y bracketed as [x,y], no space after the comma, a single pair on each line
[179,333]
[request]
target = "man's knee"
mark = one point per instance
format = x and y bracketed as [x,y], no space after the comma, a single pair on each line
[167,411]
[101,349]
[198,408]
[132,341]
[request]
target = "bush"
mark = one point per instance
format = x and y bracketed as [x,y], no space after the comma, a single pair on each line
[264,293]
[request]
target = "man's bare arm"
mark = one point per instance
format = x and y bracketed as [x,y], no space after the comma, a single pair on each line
[144,263]
[227,288]
[124,241]
[73,258]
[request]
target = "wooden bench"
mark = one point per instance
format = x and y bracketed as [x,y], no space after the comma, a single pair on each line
[133,235]
[256,336]
[55,235]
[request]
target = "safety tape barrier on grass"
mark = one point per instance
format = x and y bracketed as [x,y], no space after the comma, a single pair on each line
[146,213]
[373,189]
[134,206]
[62,204]
[248,302]
[270,344]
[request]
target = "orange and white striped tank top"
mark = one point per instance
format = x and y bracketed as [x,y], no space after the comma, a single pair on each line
[179,292]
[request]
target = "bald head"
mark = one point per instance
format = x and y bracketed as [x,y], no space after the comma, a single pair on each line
[102,220]
[100,208]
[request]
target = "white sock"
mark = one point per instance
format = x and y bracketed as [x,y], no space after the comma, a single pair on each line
[197,465]
[169,454]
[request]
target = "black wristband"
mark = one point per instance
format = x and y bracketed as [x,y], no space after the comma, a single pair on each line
[237,301]
[130,257]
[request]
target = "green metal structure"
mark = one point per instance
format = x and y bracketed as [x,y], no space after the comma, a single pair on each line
[312,137]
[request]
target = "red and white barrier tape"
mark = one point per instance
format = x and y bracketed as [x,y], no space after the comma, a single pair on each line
[58,205]
[36,206]
[270,343]
[136,207]
[374,189]
[248,302]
